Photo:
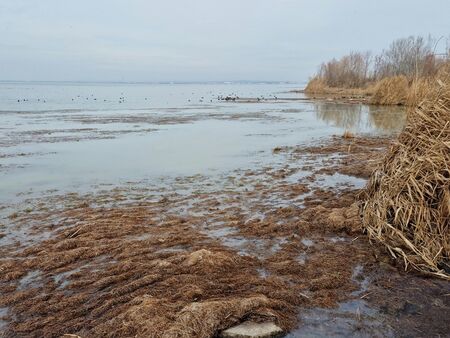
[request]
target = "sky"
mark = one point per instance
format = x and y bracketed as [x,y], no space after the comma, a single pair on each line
[200,40]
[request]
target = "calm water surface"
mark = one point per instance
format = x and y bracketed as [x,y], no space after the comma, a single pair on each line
[70,137]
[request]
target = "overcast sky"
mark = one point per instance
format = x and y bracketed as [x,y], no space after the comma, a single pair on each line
[199,40]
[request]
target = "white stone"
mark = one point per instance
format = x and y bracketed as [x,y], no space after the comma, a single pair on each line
[253,330]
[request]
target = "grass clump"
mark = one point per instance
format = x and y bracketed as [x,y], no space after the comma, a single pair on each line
[391,91]
[406,204]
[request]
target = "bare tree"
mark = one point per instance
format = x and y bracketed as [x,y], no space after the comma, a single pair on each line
[350,71]
[412,56]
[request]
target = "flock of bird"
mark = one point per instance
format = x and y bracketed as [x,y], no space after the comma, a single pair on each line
[230,97]
[26,100]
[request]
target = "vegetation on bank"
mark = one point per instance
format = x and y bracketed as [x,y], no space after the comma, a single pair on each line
[399,75]
[406,204]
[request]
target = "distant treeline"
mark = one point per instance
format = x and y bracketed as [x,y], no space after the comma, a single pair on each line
[405,61]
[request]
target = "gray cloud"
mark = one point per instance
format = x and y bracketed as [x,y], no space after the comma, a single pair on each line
[138,40]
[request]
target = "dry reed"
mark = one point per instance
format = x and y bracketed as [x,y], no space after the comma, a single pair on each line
[391,91]
[319,86]
[348,135]
[406,204]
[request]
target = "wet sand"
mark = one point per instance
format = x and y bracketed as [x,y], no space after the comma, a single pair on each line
[198,254]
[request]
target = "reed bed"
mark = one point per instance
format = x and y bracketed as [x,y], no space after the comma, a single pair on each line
[319,86]
[391,91]
[406,203]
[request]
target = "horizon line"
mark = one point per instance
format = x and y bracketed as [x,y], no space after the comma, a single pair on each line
[153,82]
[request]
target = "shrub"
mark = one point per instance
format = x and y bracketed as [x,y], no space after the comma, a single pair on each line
[351,71]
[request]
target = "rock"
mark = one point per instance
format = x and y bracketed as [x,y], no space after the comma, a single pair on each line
[253,330]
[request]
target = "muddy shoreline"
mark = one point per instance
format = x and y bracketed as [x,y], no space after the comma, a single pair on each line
[196,256]
[340,96]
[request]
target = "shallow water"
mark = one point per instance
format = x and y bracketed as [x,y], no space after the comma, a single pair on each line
[70,137]
[3,312]
[352,318]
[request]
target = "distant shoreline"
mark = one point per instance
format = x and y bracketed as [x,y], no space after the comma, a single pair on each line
[150,82]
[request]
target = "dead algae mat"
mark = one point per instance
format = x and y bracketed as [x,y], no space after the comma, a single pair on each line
[264,245]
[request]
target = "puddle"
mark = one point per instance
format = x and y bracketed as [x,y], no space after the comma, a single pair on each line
[302,258]
[335,323]
[62,278]
[352,318]
[307,242]
[360,279]
[246,246]
[19,234]
[256,216]
[3,313]
[337,239]
[174,249]
[338,180]
[95,264]
[142,237]
[31,279]
[253,246]
[279,243]
[220,233]
[263,273]
[298,177]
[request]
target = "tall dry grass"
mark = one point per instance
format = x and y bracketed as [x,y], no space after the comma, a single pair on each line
[399,90]
[319,87]
[406,203]
[391,91]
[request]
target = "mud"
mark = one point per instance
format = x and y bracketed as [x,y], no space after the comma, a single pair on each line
[195,256]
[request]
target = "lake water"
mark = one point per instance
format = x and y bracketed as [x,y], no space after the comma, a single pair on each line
[72,136]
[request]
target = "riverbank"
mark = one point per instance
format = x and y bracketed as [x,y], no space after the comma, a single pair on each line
[269,244]
[393,91]
[402,74]
[337,95]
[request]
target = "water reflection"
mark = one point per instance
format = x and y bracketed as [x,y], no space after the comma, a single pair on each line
[359,117]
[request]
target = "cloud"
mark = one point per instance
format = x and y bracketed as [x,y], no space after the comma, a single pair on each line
[141,40]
